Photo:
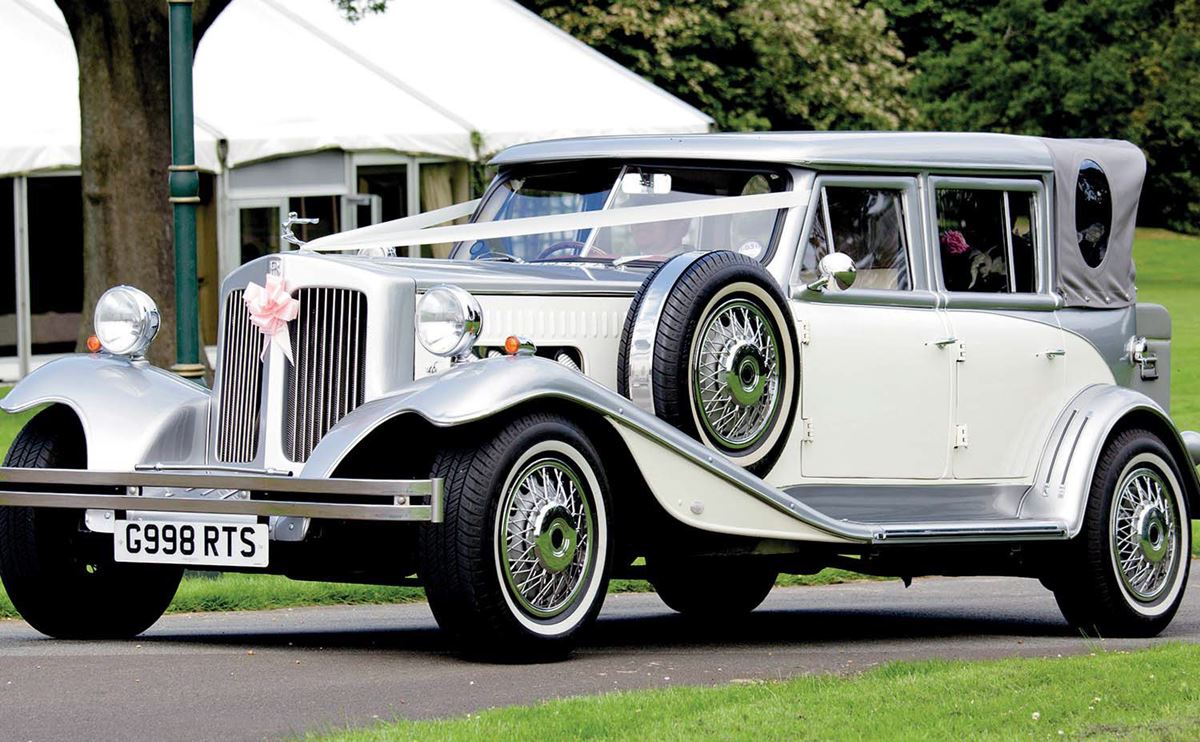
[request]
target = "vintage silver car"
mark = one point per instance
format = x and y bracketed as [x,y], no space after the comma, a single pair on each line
[706,360]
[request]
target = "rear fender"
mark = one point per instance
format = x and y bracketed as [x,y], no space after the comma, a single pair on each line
[131,412]
[694,484]
[1061,487]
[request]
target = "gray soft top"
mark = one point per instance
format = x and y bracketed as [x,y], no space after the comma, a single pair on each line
[1107,284]
[1110,282]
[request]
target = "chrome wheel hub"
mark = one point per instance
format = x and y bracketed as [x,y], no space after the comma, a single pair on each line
[736,374]
[744,377]
[557,538]
[1152,533]
[546,531]
[1145,534]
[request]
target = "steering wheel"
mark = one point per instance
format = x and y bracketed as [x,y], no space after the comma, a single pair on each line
[574,246]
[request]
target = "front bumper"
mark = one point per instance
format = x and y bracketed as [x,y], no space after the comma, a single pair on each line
[216,491]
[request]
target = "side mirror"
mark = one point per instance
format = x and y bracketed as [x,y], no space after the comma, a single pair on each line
[837,272]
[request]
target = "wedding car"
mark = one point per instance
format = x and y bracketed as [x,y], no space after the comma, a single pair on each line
[705,360]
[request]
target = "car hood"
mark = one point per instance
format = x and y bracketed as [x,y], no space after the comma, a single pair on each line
[487,277]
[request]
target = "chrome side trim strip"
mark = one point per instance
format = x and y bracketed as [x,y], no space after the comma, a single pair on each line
[918,298]
[1014,530]
[645,329]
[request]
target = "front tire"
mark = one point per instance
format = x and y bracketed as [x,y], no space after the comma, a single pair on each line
[61,578]
[1127,569]
[519,567]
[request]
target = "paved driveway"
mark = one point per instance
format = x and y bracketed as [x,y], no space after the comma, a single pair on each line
[280,673]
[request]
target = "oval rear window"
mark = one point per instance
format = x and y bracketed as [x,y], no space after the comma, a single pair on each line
[1093,212]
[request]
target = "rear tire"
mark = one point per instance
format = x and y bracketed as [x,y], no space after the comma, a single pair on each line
[519,566]
[1127,569]
[60,577]
[718,589]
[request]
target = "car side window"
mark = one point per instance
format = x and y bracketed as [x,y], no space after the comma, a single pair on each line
[986,240]
[868,225]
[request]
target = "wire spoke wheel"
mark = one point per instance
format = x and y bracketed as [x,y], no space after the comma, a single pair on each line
[1145,533]
[736,374]
[546,537]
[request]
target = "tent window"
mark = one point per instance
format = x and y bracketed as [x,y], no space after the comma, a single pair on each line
[1093,212]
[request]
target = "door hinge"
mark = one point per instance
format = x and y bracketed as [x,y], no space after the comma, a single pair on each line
[805,332]
[806,428]
[960,353]
[960,436]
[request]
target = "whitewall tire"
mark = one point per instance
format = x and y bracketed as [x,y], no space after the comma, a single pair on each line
[725,357]
[1127,569]
[520,564]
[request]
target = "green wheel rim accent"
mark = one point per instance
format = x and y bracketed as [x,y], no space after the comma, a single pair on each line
[1145,534]
[547,533]
[736,374]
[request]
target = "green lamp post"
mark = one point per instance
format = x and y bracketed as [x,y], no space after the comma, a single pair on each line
[185,193]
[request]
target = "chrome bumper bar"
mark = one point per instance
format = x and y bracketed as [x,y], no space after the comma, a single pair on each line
[191,491]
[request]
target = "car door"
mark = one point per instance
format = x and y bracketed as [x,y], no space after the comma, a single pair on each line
[876,374]
[1011,369]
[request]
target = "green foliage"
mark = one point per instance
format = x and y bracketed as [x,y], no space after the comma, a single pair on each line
[754,64]
[1127,69]
[1167,122]
[356,10]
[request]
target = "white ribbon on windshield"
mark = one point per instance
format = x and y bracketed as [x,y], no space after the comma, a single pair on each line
[411,231]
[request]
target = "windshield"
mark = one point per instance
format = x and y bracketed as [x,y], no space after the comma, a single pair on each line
[590,188]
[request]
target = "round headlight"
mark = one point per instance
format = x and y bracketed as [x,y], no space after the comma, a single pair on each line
[126,320]
[448,321]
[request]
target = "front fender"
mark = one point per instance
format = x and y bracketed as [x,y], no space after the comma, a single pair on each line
[1061,486]
[696,485]
[131,412]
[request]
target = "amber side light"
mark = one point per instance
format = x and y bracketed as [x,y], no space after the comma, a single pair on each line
[93,344]
[512,344]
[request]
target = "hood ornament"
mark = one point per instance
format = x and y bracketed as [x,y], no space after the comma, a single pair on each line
[287,235]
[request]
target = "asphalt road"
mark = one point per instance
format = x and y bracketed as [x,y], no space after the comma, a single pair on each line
[276,674]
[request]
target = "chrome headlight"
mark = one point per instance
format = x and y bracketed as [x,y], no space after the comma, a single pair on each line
[126,320]
[448,321]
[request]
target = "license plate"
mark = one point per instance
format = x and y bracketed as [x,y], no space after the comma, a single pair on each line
[188,542]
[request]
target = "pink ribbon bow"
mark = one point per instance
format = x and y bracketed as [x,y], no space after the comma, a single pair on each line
[271,308]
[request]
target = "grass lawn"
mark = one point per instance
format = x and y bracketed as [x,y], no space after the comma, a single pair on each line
[1152,694]
[1167,268]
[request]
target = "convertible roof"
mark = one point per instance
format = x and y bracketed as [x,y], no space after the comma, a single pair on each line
[1108,284]
[810,149]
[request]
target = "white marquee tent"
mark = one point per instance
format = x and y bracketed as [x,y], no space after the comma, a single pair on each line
[280,77]
[299,110]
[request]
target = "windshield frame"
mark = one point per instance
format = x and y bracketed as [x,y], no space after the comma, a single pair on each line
[523,170]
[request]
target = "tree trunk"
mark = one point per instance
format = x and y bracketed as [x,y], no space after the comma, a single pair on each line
[125,104]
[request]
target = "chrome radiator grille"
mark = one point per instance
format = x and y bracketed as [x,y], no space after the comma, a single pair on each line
[241,384]
[326,381]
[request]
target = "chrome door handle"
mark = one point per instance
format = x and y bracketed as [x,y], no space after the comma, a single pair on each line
[1052,353]
[943,342]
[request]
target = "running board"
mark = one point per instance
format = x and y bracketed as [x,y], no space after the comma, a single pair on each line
[995,530]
